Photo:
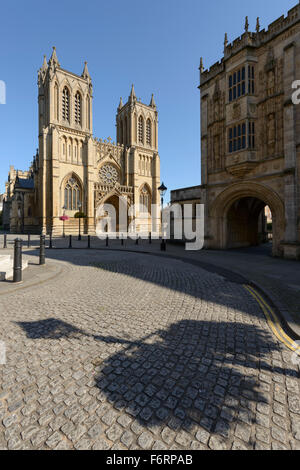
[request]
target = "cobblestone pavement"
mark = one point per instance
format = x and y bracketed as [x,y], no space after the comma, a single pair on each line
[129,351]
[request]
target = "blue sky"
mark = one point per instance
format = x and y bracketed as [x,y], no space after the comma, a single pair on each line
[154,44]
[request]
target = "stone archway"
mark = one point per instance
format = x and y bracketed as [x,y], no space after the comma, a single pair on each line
[234,216]
[118,203]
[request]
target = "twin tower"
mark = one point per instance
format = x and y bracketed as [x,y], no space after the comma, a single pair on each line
[75,171]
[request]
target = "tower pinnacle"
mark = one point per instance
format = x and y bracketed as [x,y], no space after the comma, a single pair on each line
[53,59]
[85,73]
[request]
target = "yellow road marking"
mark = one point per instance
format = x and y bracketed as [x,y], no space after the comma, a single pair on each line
[273,321]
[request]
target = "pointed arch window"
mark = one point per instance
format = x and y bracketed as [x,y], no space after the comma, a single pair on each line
[66,104]
[145,200]
[56,101]
[77,108]
[141,130]
[72,194]
[148,132]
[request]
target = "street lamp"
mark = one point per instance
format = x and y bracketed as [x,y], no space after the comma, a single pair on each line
[162,189]
[79,216]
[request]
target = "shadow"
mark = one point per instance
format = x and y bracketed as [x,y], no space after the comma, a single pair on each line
[51,328]
[194,375]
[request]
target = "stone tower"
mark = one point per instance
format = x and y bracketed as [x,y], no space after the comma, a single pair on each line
[65,133]
[137,130]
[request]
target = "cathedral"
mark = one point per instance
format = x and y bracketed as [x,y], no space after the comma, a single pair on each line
[74,172]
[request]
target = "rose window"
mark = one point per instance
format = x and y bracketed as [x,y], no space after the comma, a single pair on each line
[108,174]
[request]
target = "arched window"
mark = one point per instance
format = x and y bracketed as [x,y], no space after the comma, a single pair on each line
[72,194]
[88,112]
[121,131]
[141,130]
[66,104]
[145,200]
[148,132]
[56,101]
[77,108]
[125,132]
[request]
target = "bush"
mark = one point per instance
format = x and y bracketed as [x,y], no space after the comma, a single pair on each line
[79,215]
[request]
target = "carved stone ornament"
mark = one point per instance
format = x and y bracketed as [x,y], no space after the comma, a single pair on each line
[108,174]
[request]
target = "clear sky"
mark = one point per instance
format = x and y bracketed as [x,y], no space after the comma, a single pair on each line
[155,44]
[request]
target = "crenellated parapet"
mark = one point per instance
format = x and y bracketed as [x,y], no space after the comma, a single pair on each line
[251,40]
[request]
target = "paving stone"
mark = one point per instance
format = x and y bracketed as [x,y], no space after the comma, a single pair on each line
[104,372]
[145,440]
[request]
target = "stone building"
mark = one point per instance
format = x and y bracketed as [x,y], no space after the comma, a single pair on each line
[73,171]
[250,139]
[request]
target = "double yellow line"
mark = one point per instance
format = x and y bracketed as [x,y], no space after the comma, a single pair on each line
[273,321]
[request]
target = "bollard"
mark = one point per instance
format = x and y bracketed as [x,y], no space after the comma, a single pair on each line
[5,241]
[150,238]
[70,241]
[163,245]
[17,260]
[107,240]
[28,241]
[42,249]
[122,240]
[50,240]
[137,241]
[89,241]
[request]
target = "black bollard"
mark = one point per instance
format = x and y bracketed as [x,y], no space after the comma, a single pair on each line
[42,249]
[107,240]
[17,260]
[122,240]
[5,241]
[50,240]
[70,241]
[163,245]
[150,238]
[89,241]
[28,241]
[137,241]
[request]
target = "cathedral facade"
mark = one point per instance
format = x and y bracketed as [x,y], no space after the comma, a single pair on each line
[74,172]
[250,139]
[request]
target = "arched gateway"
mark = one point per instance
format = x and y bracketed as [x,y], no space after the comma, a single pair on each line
[235,212]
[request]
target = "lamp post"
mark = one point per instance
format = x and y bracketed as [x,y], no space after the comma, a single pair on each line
[162,189]
[79,217]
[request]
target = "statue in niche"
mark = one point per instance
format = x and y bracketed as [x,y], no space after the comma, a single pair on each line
[271,134]
[216,151]
[217,111]
[271,83]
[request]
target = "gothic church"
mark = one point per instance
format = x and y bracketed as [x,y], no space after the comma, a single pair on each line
[73,171]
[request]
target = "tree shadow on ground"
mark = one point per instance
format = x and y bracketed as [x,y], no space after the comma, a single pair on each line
[193,376]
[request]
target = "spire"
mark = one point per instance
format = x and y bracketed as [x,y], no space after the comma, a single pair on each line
[152,102]
[257,25]
[246,24]
[121,103]
[132,96]
[225,41]
[45,65]
[53,59]
[85,73]
[201,68]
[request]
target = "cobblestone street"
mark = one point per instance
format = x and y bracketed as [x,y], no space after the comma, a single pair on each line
[131,351]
